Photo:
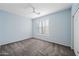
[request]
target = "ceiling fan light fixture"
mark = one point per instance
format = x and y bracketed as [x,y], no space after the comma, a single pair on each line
[34,10]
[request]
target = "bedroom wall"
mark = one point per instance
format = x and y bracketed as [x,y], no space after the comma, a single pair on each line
[0,28]
[14,27]
[59,27]
[75,7]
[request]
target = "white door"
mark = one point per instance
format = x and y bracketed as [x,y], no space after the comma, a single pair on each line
[76,33]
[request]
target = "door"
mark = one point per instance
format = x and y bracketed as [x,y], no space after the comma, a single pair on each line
[76,33]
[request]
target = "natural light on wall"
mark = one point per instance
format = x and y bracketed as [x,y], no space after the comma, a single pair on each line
[44,26]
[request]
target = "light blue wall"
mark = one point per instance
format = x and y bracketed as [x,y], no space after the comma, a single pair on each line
[59,27]
[14,27]
[0,28]
[74,9]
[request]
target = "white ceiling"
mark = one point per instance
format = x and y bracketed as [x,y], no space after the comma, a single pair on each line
[24,9]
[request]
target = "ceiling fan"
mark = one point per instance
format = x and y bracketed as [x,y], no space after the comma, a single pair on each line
[34,10]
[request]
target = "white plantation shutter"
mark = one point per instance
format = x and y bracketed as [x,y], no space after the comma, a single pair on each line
[44,27]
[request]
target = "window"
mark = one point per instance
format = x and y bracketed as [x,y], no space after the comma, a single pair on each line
[44,27]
